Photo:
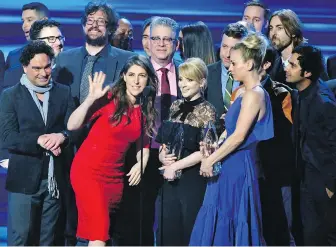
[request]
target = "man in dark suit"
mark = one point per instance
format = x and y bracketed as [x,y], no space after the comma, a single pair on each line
[220,84]
[2,69]
[72,67]
[33,119]
[331,66]
[276,158]
[315,145]
[31,12]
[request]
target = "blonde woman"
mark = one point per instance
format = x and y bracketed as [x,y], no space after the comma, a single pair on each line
[231,213]
[183,190]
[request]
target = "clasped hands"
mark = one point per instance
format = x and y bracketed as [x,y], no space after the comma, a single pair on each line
[51,142]
[167,160]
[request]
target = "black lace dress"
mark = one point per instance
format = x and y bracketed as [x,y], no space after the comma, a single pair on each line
[180,200]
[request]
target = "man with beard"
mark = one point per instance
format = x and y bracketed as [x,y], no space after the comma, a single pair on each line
[285,32]
[72,67]
[123,36]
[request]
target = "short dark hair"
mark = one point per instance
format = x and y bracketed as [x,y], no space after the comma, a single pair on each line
[147,22]
[270,56]
[111,14]
[235,30]
[37,26]
[260,4]
[40,8]
[310,60]
[33,48]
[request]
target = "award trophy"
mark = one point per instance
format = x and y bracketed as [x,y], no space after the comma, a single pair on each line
[175,146]
[210,140]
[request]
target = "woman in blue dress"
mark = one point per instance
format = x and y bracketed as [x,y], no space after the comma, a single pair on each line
[231,211]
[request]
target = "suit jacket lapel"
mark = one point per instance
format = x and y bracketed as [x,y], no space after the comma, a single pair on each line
[111,66]
[31,105]
[179,93]
[217,89]
[51,107]
[78,57]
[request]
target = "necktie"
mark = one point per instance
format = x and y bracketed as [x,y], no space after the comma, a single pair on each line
[85,86]
[165,94]
[228,91]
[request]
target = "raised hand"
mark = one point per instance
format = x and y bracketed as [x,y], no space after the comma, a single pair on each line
[96,90]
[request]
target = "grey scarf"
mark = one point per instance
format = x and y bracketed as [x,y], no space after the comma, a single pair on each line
[52,185]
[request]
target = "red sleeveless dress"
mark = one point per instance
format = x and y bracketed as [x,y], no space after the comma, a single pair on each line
[97,170]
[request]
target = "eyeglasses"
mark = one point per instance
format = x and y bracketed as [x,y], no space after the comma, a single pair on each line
[52,39]
[166,41]
[100,22]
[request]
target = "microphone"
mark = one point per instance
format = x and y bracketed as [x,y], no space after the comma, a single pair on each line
[147,91]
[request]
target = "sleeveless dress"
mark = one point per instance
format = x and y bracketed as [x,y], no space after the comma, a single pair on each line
[231,210]
[97,170]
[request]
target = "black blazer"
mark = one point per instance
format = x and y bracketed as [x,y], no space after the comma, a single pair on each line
[213,93]
[318,140]
[13,70]
[68,67]
[20,126]
[331,66]
[2,69]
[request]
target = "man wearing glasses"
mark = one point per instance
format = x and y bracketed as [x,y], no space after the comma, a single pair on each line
[72,67]
[48,31]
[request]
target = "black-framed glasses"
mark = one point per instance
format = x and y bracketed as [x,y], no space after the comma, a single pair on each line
[52,39]
[166,40]
[100,22]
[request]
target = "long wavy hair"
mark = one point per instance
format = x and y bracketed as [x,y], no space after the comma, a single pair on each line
[123,104]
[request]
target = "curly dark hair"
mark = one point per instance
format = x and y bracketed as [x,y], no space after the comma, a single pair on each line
[37,26]
[235,30]
[310,60]
[120,95]
[111,15]
[33,48]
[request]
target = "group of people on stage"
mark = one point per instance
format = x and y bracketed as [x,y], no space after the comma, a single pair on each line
[104,146]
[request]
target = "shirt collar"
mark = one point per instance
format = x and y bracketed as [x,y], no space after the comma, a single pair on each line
[103,53]
[224,69]
[307,91]
[169,66]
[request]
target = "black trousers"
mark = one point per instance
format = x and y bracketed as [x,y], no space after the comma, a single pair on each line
[126,230]
[318,212]
[32,218]
[177,207]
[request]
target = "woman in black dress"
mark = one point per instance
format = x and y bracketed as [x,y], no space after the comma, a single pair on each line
[182,193]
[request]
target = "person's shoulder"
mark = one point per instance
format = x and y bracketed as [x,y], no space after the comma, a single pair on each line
[12,91]
[214,66]
[114,51]
[209,106]
[70,52]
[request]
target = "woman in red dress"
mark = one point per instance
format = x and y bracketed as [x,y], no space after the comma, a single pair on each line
[97,170]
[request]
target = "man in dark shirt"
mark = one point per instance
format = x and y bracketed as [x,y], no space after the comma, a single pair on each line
[315,145]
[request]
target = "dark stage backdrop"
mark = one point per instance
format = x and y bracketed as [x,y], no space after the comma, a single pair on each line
[318,16]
